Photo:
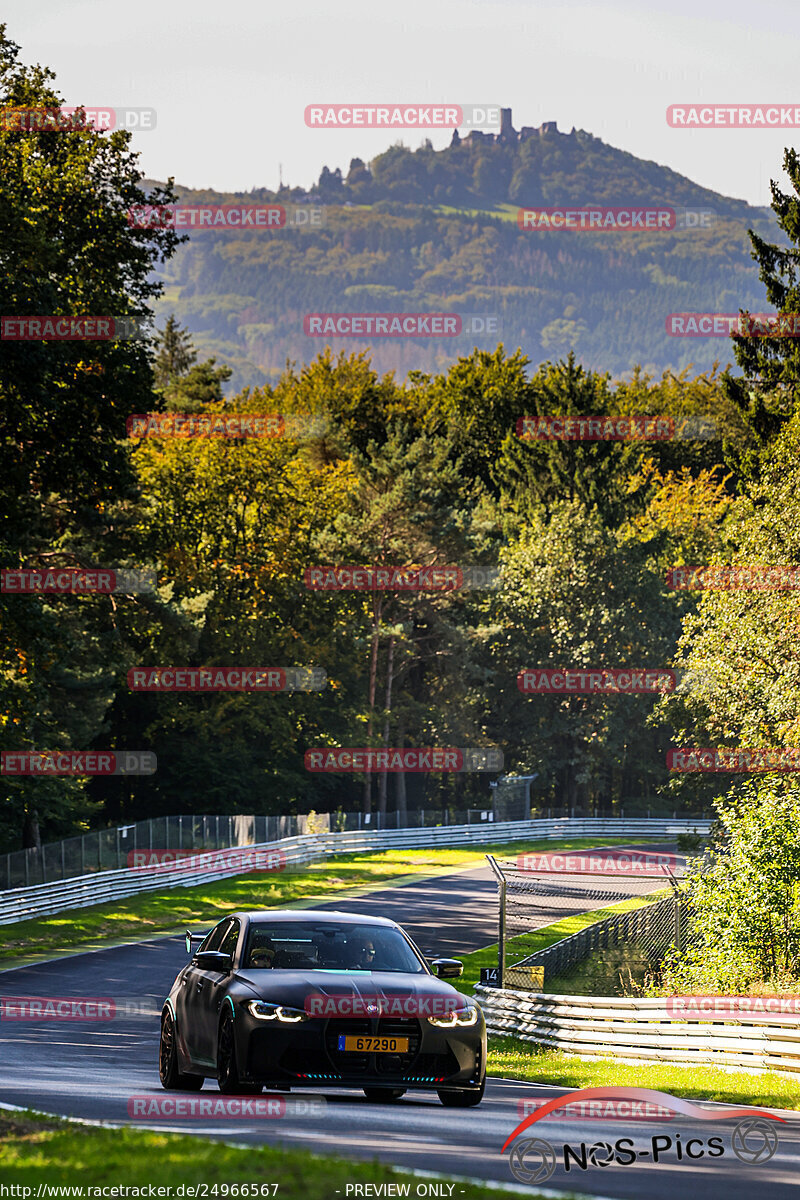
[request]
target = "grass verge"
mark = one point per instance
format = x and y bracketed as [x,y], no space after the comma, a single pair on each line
[36,1150]
[154,913]
[520,1060]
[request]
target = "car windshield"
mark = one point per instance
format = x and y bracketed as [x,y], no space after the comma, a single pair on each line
[298,946]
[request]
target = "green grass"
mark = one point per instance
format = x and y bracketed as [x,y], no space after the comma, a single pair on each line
[540,939]
[37,1150]
[520,1060]
[154,913]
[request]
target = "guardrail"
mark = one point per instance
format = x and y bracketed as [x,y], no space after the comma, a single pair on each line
[108,849]
[21,904]
[642,1030]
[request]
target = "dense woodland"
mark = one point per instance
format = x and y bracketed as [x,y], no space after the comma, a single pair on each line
[381,468]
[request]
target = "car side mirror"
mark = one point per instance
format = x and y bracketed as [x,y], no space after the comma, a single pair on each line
[192,938]
[447,968]
[213,960]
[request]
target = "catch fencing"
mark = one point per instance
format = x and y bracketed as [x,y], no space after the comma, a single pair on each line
[108,849]
[20,904]
[649,931]
[642,1030]
[536,891]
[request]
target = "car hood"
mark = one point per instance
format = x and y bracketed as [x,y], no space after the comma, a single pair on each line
[292,987]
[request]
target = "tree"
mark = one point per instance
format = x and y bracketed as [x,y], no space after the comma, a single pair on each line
[769,394]
[406,509]
[744,903]
[200,387]
[66,247]
[174,354]
[739,647]
[574,597]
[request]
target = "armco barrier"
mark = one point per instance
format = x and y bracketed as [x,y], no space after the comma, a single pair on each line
[21,904]
[108,849]
[642,1030]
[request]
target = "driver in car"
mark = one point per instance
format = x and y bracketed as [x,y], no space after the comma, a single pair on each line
[363,955]
[262,957]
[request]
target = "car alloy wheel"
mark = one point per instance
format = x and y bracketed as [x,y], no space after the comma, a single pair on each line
[171,1077]
[227,1066]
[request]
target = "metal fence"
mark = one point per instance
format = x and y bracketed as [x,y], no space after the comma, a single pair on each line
[643,1030]
[618,949]
[645,934]
[108,849]
[20,904]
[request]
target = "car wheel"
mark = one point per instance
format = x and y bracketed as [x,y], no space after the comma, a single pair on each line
[463,1097]
[171,1077]
[227,1066]
[384,1095]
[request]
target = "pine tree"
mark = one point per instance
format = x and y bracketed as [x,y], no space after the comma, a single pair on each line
[175,354]
[769,393]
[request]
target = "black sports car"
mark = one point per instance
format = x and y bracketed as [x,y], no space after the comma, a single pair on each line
[320,999]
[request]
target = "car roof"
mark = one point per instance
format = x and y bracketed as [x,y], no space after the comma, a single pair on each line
[277,916]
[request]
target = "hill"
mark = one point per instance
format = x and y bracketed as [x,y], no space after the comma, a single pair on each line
[425,230]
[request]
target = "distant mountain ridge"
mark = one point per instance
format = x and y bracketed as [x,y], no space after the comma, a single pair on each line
[435,231]
[526,167]
[532,166]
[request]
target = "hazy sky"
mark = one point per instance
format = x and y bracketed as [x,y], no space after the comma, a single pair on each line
[230,80]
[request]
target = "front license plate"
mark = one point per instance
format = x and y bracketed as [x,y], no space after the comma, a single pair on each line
[369,1044]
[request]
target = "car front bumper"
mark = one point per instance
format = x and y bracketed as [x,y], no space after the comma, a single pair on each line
[308,1053]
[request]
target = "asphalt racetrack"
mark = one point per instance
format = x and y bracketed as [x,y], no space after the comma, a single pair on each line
[91,1069]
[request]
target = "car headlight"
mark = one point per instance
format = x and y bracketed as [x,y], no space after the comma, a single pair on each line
[464,1016]
[276,1012]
